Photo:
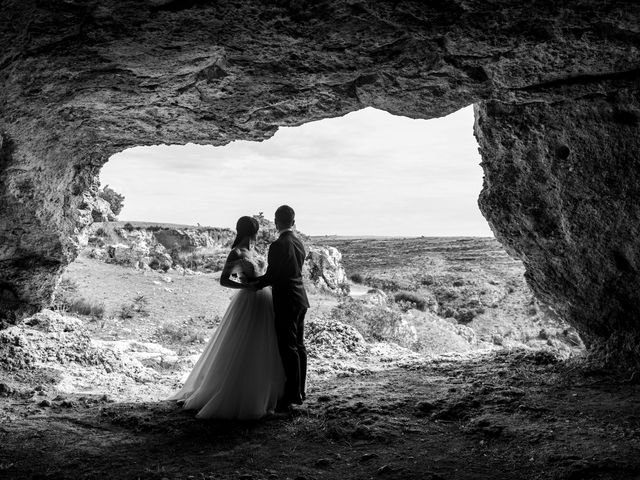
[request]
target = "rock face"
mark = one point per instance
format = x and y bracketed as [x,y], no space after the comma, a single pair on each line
[201,249]
[323,267]
[562,190]
[84,80]
[160,247]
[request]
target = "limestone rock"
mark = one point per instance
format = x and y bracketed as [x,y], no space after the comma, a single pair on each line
[182,239]
[323,267]
[444,336]
[330,338]
[101,211]
[375,297]
[561,191]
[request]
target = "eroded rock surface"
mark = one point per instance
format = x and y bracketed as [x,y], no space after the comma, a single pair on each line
[562,184]
[82,81]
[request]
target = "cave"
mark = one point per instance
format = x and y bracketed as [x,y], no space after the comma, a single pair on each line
[555,88]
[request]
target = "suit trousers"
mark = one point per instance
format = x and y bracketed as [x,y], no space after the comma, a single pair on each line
[289,322]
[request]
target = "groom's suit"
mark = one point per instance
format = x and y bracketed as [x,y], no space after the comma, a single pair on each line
[290,303]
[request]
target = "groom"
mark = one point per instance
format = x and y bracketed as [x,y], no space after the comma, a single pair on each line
[290,303]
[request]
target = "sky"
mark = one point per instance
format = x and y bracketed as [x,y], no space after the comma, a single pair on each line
[366,173]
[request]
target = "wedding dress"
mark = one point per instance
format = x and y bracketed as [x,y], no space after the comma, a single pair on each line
[239,375]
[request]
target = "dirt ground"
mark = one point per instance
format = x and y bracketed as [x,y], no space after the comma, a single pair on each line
[90,406]
[497,415]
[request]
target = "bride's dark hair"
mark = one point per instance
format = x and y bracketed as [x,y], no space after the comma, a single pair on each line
[245,227]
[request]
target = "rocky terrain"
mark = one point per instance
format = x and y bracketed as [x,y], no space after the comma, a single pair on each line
[93,382]
[184,249]
[451,294]
[78,408]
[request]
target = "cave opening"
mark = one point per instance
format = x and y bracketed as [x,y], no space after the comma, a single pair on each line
[556,92]
[398,250]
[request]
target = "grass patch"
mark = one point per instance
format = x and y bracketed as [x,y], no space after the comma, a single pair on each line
[90,308]
[181,332]
[408,300]
[67,299]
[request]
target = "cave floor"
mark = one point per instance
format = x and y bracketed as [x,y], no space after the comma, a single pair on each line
[500,415]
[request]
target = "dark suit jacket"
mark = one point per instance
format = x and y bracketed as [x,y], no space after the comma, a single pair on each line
[284,272]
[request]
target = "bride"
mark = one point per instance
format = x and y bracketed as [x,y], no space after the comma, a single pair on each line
[239,375]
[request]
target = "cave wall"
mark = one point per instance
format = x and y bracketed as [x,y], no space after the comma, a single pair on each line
[562,192]
[83,80]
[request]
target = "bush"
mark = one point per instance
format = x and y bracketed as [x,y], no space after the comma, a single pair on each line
[356,278]
[175,332]
[113,198]
[137,306]
[382,284]
[68,299]
[465,315]
[411,300]
[373,322]
[82,306]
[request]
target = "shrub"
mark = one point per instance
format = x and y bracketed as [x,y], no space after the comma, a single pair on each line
[113,198]
[356,278]
[465,315]
[68,299]
[181,332]
[137,306]
[128,227]
[373,322]
[411,300]
[382,284]
[448,313]
[82,306]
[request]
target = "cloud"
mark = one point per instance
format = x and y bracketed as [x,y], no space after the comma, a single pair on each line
[368,173]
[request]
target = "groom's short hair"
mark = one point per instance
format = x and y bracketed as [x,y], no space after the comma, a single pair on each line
[285,216]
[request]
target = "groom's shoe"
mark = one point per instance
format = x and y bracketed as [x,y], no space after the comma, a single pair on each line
[283,407]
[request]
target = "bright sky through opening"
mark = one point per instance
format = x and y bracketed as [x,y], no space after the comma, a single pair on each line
[367,173]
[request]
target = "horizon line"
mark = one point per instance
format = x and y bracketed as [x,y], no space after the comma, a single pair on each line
[331,235]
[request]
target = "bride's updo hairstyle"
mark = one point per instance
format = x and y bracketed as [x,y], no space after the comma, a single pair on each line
[245,227]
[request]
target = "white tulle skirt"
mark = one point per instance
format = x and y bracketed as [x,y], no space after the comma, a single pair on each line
[239,375]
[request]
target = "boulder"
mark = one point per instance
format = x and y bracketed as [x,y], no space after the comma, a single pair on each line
[323,267]
[101,211]
[375,297]
[330,338]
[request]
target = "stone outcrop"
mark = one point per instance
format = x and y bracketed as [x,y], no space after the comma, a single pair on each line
[84,80]
[200,249]
[102,211]
[160,247]
[323,267]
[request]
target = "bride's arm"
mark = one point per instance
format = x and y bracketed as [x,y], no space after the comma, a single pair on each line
[225,276]
[274,265]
